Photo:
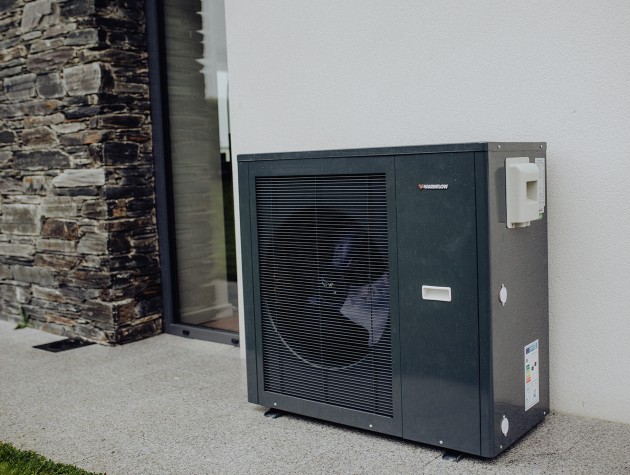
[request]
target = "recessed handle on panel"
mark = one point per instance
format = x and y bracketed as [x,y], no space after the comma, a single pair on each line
[442,294]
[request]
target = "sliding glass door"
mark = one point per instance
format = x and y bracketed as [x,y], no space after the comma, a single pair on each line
[201,205]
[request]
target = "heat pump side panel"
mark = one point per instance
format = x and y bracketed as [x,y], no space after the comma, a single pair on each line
[248,282]
[520,327]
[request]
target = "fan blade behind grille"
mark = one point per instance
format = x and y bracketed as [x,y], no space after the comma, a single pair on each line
[324,287]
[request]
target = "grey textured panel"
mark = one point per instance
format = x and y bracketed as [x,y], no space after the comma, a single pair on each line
[518,259]
[439,340]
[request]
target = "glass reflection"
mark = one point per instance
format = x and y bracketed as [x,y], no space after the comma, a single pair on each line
[196,65]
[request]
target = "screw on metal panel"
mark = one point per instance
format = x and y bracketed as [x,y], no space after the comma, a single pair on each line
[498,147]
[544,413]
[275,403]
[441,442]
[370,426]
[500,446]
[541,146]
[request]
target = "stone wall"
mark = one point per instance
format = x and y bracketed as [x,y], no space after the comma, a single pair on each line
[78,245]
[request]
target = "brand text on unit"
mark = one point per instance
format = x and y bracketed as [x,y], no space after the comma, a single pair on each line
[432,187]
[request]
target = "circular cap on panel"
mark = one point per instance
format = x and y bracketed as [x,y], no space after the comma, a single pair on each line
[503,294]
[505,426]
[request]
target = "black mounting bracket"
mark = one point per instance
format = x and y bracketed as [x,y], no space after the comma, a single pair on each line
[274,413]
[452,456]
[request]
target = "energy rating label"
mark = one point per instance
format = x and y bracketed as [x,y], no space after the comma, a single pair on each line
[532,370]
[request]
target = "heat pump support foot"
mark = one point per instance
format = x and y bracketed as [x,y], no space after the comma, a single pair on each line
[452,456]
[273,413]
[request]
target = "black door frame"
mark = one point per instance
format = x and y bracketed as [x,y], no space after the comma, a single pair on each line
[163,185]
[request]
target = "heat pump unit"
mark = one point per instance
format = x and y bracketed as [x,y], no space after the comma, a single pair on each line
[400,290]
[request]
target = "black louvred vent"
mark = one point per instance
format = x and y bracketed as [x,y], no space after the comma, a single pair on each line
[324,289]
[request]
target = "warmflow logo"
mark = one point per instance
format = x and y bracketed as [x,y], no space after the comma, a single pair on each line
[422,186]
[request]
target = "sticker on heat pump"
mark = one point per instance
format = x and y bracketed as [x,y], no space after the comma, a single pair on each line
[532,371]
[540,163]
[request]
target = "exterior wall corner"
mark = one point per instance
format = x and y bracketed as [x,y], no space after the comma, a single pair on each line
[78,239]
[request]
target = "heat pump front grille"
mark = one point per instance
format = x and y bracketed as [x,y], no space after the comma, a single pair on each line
[324,289]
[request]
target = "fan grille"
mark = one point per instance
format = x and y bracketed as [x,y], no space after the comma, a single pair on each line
[324,289]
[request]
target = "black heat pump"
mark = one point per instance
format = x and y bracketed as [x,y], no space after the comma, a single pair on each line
[400,290]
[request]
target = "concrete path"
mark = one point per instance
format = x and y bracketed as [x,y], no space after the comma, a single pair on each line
[169,405]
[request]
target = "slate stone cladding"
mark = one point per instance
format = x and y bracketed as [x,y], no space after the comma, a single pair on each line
[78,242]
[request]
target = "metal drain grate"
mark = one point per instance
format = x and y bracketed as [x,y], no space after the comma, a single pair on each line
[63,345]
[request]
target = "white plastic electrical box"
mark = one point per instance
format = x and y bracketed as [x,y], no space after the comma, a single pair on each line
[521,192]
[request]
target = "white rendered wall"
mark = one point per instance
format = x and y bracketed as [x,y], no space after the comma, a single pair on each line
[366,73]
